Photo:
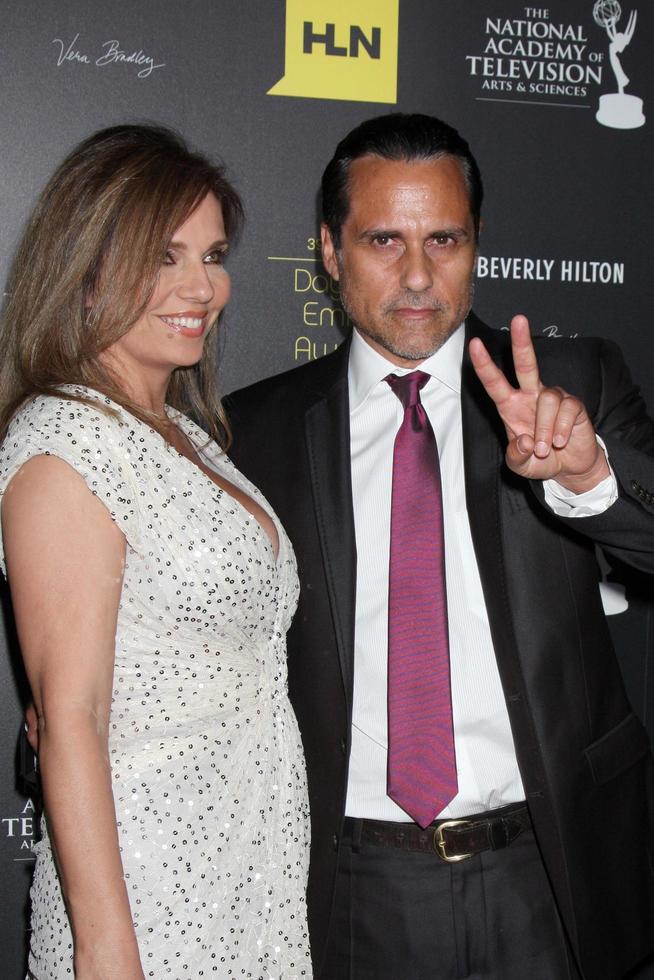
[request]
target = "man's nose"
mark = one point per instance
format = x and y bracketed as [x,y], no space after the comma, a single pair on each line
[417,274]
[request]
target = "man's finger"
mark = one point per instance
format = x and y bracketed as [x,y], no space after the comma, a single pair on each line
[492,378]
[519,453]
[571,411]
[524,355]
[546,422]
[32,727]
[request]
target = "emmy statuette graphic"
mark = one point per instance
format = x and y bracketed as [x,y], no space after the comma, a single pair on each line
[617,109]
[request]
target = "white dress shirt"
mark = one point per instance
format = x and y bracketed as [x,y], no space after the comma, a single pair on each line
[487,769]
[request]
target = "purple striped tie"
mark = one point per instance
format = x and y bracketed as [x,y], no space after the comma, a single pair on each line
[421,762]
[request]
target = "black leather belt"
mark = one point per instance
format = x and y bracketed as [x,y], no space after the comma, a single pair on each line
[451,840]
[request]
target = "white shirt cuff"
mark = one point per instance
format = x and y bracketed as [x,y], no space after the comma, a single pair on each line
[565,503]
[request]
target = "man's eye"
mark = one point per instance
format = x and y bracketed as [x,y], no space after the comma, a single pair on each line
[442,239]
[382,239]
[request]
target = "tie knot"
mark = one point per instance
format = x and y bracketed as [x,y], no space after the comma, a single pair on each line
[407,387]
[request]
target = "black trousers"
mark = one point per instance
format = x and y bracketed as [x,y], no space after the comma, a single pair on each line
[409,916]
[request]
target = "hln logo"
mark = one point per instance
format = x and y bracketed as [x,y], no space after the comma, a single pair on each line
[353,56]
[357,40]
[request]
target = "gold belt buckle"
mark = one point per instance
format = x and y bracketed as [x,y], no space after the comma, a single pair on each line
[440,844]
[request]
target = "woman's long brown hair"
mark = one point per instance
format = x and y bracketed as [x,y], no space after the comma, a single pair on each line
[88,263]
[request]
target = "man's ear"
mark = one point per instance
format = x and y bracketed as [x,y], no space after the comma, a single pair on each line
[328,252]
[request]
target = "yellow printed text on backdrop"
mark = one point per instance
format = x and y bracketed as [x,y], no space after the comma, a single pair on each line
[341,49]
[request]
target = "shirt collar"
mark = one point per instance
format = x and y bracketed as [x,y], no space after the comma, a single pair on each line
[367,367]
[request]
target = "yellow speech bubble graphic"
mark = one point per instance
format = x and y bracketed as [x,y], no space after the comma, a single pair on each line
[341,49]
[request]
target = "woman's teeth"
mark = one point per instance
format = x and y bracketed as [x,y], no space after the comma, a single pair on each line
[184,322]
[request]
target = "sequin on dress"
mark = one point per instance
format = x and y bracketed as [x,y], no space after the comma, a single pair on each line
[208,773]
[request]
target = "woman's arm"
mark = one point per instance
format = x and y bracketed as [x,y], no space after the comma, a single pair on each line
[65,560]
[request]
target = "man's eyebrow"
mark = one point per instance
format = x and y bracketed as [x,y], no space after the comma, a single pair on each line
[456,232]
[380,232]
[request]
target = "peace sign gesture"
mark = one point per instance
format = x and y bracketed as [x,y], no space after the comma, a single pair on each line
[550,434]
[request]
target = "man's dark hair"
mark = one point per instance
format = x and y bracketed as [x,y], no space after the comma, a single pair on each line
[396,136]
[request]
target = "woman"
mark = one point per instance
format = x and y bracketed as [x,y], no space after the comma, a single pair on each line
[152,586]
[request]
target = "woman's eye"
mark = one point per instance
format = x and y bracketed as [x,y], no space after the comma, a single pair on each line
[217,257]
[169,259]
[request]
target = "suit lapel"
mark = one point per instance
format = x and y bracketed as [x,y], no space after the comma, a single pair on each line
[487,488]
[327,434]
[484,442]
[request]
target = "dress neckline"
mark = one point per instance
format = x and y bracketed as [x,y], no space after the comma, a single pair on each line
[192,430]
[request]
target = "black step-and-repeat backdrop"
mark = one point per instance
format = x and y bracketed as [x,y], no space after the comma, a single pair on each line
[557,101]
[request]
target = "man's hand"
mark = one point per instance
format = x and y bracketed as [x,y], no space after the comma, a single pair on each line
[550,434]
[32,728]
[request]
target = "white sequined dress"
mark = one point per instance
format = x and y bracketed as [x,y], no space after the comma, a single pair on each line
[208,774]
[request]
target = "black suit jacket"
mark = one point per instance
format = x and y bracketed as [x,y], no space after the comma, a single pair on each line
[584,757]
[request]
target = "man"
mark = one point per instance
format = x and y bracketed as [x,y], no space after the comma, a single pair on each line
[550,873]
